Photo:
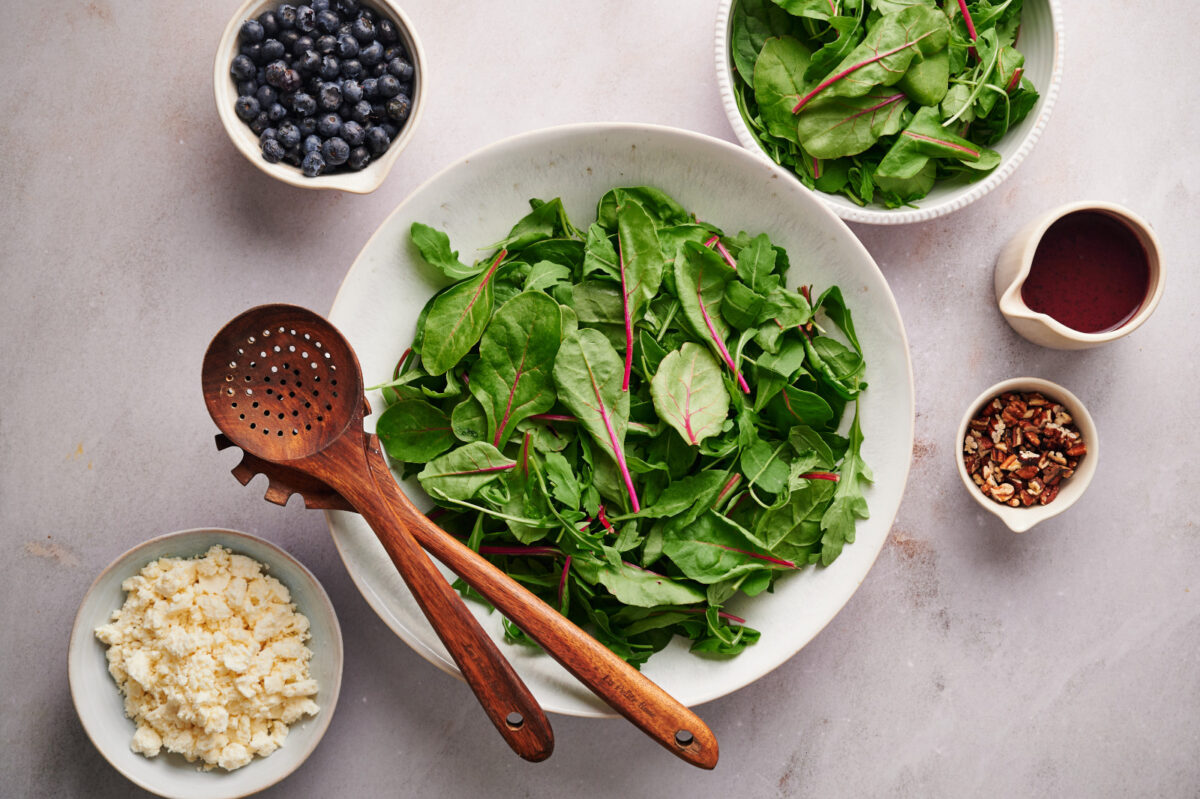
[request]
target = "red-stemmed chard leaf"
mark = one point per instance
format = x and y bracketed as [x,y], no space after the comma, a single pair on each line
[700,277]
[461,472]
[457,319]
[689,393]
[723,250]
[588,374]
[639,256]
[962,6]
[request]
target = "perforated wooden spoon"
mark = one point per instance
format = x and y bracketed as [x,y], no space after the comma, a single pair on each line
[285,386]
[625,689]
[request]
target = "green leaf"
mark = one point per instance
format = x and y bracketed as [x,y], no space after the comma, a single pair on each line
[763,466]
[468,421]
[756,263]
[779,84]
[927,79]
[700,277]
[752,23]
[741,305]
[460,473]
[661,207]
[434,246]
[512,378]
[545,275]
[599,255]
[925,138]
[636,586]
[837,525]
[711,549]
[456,320]
[563,480]
[547,220]
[794,406]
[413,430]
[833,127]
[689,393]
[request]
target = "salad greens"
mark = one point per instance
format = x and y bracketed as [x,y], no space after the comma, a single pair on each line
[880,99]
[637,421]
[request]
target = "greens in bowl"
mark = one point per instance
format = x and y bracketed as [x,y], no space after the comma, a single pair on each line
[880,100]
[636,420]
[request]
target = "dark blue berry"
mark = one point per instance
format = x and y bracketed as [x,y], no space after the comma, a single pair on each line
[293,156]
[363,30]
[288,133]
[252,51]
[260,75]
[368,15]
[398,107]
[247,107]
[286,15]
[306,19]
[347,46]
[387,31]
[371,55]
[347,7]
[330,67]
[311,144]
[393,51]
[353,133]
[247,86]
[272,151]
[242,68]
[379,70]
[274,73]
[391,130]
[269,133]
[352,91]
[336,151]
[276,112]
[270,23]
[330,97]
[377,139]
[289,38]
[359,158]
[260,124]
[370,87]
[273,49]
[362,112]
[389,86]
[326,44]
[303,45]
[400,68]
[310,62]
[319,5]
[307,125]
[304,104]
[328,21]
[291,81]
[252,31]
[378,111]
[267,96]
[352,68]
[329,125]
[312,165]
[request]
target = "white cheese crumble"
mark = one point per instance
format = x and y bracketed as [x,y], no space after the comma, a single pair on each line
[210,654]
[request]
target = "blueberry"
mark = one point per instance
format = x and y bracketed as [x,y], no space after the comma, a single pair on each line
[289,38]
[242,68]
[273,49]
[247,107]
[353,133]
[307,125]
[371,55]
[276,112]
[269,133]
[347,46]
[352,91]
[310,62]
[260,123]
[370,87]
[330,97]
[352,68]
[303,45]
[311,144]
[252,51]
[336,151]
[306,19]
[291,81]
[293,156]
[288,133]
[379,70]
[260,75]
[388,32]
[328,21]
[363,30]
[347,7]
[389,86]
[330,67]
[326,44]
[319,5]
[304,104]
[252,31]
[368,15]
[329,125]
[378,112]
[269,22]
[312,165]
[359,158]
[400,68]
[247,86]
[274,73]
[393,51]
[398,107]
[267,96]
[391,130]
[272,151]
[377,139]
[286,16]
[362,112]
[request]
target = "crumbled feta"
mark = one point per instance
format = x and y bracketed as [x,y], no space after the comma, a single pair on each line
[210,654]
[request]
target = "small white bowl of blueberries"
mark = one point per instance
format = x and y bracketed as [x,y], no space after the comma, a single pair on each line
[322,95]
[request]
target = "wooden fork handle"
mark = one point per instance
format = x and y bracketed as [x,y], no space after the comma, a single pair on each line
[623,687]
[505,698]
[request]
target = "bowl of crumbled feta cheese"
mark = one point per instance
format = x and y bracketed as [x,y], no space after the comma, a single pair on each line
[205,664]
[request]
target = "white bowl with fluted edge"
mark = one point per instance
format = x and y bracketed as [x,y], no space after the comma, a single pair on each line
[365,180]
[100,703]
[1023,518]
[1041,42]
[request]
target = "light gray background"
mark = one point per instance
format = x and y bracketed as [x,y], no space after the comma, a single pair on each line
[972,662]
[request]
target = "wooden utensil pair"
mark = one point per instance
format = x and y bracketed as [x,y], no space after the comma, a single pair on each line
[285,386]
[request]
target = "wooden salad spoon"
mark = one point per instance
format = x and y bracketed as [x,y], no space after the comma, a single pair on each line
[622,687]
[285,386]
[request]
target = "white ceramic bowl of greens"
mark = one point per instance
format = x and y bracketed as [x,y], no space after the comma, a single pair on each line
[475,201]
[744,25]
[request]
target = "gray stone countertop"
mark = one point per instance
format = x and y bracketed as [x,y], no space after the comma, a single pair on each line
[971,662]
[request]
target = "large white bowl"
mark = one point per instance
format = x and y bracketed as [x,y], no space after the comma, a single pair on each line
[1041,42]
[100,703]
[476,201]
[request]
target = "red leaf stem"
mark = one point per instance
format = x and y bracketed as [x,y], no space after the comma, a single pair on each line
[712,331]
[604,519]
[721,249]
[832,79]
[821,476]
[962,6]
[562,579]
[519,551]
[628,319]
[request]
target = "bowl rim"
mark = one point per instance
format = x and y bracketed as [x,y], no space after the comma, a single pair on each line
[898,216]
[329,697]
[1011,304]
[362,182]
[1023,518]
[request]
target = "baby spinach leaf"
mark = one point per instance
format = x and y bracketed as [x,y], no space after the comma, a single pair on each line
[638,587]
[468,421]
[794,406]
[461,472]
[778,84]
[689,393]
[835,127]
[546,274]
[512,378]
[413,430]
[925,137]
[927,79]
[712,548]
[640,260]
[752,23]
[660,206]
[700,277]
[456,320]
[756,264]
[434,246]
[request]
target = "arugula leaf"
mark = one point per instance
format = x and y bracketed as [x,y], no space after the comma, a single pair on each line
[434,246]
[837,523]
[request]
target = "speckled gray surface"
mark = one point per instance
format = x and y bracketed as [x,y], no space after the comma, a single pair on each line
[972,662]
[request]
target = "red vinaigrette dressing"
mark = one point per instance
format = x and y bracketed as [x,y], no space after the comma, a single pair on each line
[1089,272]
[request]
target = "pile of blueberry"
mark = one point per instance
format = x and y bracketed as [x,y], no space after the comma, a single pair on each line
[326,86]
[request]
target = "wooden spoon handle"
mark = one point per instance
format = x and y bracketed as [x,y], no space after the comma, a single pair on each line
[623,687]
[506,699]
